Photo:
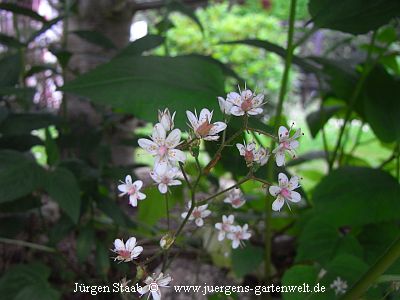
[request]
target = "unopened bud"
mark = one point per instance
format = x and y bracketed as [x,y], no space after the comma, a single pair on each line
[166,241]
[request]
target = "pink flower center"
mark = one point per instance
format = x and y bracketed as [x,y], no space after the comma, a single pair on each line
[196,214]
[247,104]
[204,129]
[132,190]
[162,150]
[165,180]
[285,193]
[248,155]
[125,254]
[285,145]
[225,227]
[237,201]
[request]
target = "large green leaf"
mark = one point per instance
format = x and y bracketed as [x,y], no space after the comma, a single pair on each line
[10,41]
[321,241]
[141,85]
[357,196]
[353,16]
[24,123]
[19,175]
[27,282]
[382,105]
[63,188]
[297,276]
[95,37]
[141,45]
[10,68]
[317,119]
[178,6]
[246,260]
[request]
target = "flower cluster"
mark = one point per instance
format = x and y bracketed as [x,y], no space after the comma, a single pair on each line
[339,286]
[252,154]
[236,233]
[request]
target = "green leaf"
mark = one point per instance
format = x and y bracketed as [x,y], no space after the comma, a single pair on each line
[111,209]
[40,68]
[52,152]
[382,105]
[353,16]
[95,37]
[24,123]
[23,142]
[10,41]
[316,120]
[178,6]
[26,282]
[22,11]
[19,175]
[357,196]
[153,208]
[245,260]
[141,45]
[346,266]
[141,85]
[23,93]
[62,186]
[102,258]
[298,276]
[10,69]
[84,243]
[303,63]
[321,241]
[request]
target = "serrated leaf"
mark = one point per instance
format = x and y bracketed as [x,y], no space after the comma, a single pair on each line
[141,85]
[62,187]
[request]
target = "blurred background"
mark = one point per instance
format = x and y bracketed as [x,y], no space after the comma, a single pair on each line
[81,81]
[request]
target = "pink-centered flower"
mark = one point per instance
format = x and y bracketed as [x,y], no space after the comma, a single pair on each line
[252,154]
[165,177]
[235,198]
[198,214]
[131,189]
[166,120]
[225,227]
[287,143]
[153,285]
[238,235]
[339,286]
[128,251]
[202,126]
[162,147]
[246,102]
[285,191]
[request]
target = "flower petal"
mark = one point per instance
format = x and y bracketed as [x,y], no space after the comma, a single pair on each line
[211,138]
[235,244]
[159,134]
[221,236]
[130,244]
[274,190]
[192,119]
[156,294]
[255,111]
[141,196]
[199,222]
[283,133]
[205,115]
[234,98]
[277,204]
[136,251]
[217,127]
[241,148]
[128,179]
[280,158]
[293,144]
[138,184]
[237,111]
[295,196]
[122,187]
[176,155]
[293,183]
[163,188]
[144,289]
[119,244]
[148,145]
[175,182]
[283,179]
[133,200]
[173,138]
[258,100]
[164,281]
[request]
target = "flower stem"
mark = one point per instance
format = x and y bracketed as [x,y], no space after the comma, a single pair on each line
[270,171]
[27,244]
[167,209]
[261,132]
[383,263]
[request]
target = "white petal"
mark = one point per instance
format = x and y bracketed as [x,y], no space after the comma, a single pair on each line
[175,182]
[130,244]
[280,158]
[218,226]
[136,251]
[159,134]
[205,214]
[211,138]
[255,111]
[217,127]
[237,111]
[294,182]
[119,244]
[145,289]
[283,133]
[231,219]
[192,119]
[138,184]
[164,281]
[283,179]
[295,197]
[148,145]
[296,134]
[274,190]
[199,222]
[154,175]
[133,200]
[258,100]
[156,294]
[163,188]
[235,244]
[293,144]
[173,138]
[277,204]
[141,196]
[176,155]
[234,98]
[184,214]
[221,235]
[122,188]
[205,115]
[240,148]
[202,207]
[128,179]
[251,146]
[246,94]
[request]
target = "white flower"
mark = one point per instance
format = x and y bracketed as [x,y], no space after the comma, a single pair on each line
[153,285]
[235,198]
[198,214]
[166,120]
[239,234]
[225,227]
[225,106]
[202,127]
[339,285]
[286,143]
[284,191]
[251,154]
[128,251]
[246,102]
[165,177]
[131,189]
[162,147]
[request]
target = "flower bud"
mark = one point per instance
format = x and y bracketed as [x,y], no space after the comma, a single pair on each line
[166,241]
[140,272]
[165,119]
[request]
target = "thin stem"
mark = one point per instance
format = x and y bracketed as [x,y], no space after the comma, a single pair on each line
[261,132]
[398,162]
[27,244]
[185,175]
[167,209]
[367,68]
[270,171]
[369,278]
